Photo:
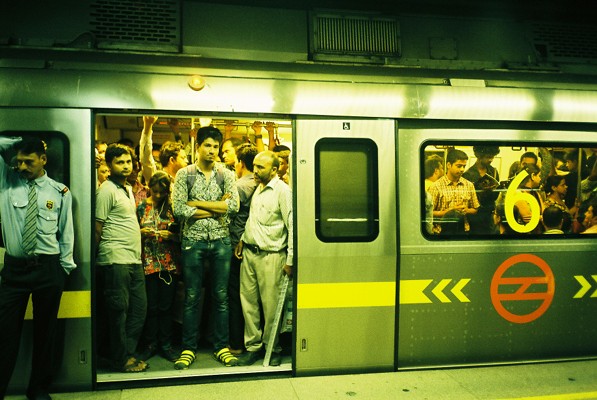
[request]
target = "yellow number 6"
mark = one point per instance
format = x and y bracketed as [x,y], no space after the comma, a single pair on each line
[512,197]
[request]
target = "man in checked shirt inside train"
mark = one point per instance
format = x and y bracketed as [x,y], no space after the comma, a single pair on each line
[454,197]
[37,226]
[204,194]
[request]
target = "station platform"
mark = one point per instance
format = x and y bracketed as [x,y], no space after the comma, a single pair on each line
[569,380]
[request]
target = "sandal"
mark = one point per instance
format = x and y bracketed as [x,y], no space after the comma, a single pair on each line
[185,360]
[225,357]
[134,365]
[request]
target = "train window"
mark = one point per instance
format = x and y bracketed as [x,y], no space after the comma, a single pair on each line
[507,190]
[57,153]
[346,204]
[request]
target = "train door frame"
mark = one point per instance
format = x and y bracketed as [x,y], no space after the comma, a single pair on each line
[170,376]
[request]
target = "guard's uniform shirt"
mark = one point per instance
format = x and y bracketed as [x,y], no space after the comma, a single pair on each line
[55,233]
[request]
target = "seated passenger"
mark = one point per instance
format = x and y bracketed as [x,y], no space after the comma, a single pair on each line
[553,218]
[454,197]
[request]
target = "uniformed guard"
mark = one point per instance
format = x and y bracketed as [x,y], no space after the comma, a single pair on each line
[37,227]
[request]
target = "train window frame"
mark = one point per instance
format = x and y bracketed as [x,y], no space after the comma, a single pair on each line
[58,165]
[444,144]
[344,145]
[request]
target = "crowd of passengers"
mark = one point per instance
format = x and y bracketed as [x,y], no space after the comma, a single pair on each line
[561,187]
[172,234]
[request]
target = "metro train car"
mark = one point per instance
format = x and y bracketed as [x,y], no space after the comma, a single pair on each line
[380,283]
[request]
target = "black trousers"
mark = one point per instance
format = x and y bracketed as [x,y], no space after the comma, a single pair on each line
[43,278]
[160,297]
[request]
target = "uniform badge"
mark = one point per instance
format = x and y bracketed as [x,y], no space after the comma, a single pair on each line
[50,205]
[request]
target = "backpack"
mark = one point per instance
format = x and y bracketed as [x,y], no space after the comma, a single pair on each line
[192,177]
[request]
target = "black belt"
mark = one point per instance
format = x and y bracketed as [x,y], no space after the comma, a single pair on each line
[255,249]
[31,261]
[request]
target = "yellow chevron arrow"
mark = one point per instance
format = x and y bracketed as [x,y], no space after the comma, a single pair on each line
[595,292]
[457,290]
[437,291]
[585,286]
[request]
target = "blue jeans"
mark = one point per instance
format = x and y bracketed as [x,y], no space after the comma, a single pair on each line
[194,255]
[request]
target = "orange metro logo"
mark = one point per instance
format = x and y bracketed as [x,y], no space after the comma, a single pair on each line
[508,286]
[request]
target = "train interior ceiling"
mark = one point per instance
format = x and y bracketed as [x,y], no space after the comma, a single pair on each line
[111,128]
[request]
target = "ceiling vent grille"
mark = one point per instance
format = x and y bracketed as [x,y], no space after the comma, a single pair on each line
[149,25]
[350,37]
[560,42]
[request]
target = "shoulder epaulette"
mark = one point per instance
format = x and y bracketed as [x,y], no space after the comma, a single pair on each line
[59,187]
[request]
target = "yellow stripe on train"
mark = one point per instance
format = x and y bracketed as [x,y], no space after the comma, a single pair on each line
[74,304]
[380,294]
[340,295]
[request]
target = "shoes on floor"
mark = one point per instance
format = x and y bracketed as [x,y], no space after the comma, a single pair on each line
[249,358]
[147,352]
[225,357]
[134,365]
[170,354]
[38,396]
[187,357]
[275,360]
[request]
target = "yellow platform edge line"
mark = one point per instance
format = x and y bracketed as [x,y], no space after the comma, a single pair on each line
[563,396]
[74,304]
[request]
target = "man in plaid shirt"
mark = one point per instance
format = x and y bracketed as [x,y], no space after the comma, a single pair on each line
[454,197]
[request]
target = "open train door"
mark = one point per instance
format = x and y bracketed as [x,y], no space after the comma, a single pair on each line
[345,186]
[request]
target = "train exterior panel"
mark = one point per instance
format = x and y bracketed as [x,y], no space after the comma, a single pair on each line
[373,290]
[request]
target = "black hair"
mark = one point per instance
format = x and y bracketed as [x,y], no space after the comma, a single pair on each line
[552,180]
[208,132]
[481,151]
[161,179]
[529,154]
[280,147]
[432,163]
[553,217]
[531,169]
[31,145]
[246,153]
[116,150]
[169,149]
[455,155]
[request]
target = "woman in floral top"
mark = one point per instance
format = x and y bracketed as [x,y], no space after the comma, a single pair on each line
[161,257]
